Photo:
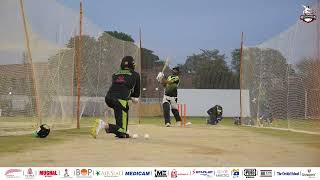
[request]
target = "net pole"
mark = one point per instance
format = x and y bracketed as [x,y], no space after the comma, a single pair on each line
[141,60]
[318,51]
[318,31]
[184,115]
[73,63]
[305,104]
[288,90]
[31,65]
[240,75]
[259,91]
[78,67]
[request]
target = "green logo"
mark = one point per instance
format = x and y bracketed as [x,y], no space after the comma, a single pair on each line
[98,173]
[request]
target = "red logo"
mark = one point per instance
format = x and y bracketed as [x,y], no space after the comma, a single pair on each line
[120,79]
[48,173]
[30,171]
[174,174]
[29,174]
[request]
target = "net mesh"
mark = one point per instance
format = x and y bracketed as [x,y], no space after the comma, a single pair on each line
[281,79]
[101,58]
[39,45]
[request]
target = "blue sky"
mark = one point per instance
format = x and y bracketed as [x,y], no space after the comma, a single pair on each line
[179,28]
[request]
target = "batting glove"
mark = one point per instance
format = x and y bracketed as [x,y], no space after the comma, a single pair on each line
[135,100]
[160,76]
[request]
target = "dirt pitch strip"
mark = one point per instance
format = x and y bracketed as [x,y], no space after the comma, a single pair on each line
[198,145]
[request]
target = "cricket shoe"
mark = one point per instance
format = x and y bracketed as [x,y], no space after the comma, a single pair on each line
[97,126]
[188,123]
[168,125]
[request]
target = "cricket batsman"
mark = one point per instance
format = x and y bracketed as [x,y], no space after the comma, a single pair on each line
[125,86]
[170,97]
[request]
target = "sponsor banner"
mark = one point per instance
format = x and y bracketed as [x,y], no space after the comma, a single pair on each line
[204,172]
[250,172]
[266,172]
[165,173]
[222,173]
[310,173]
[235,173]
[138,173]
[288,173]
[161,172]
[12,173]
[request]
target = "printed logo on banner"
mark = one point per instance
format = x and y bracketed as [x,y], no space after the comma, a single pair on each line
[180,172]
[13,173]
[109,173]
[265,173]
[308,173]
[29,174]
[174,173]
[288,173]
[66,174]
[235,173]
[207,173]
[250,173]
[309,15]
[49,173]
[222,173]
[84,173]
[160,173]
[138,173]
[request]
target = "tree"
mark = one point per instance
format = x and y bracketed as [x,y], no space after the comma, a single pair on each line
[100,58]
[195,61]
[235,61]
[85,40]
[308,70]
[264,75]
[149,59]
[210,70]
[120,35]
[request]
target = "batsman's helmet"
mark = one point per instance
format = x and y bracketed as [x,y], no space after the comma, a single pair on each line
[128,63]
[42,132]
[176,70]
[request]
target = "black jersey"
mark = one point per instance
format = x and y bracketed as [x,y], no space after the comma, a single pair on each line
[125,84]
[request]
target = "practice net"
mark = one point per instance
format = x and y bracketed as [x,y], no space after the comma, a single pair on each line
[282,79]
[39,49]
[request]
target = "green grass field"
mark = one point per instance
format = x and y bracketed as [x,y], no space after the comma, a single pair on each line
[13,143]
[222,145]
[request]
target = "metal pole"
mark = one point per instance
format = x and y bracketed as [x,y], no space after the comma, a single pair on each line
[305,103]
[141,60]
[31,65]
[240,75]
[78,68]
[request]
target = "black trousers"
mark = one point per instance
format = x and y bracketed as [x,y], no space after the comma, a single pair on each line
[166,111]
[121,114]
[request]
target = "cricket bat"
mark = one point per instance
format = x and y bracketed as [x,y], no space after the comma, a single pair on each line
[165,65]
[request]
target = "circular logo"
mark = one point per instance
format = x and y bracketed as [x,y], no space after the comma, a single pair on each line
[173,173]
[84,172]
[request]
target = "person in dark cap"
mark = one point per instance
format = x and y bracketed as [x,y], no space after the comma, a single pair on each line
[125,86]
